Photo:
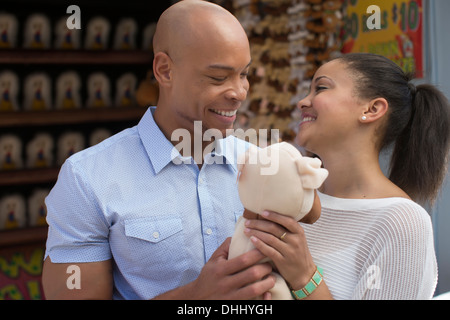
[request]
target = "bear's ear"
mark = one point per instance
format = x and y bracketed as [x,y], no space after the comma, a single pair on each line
[311,173]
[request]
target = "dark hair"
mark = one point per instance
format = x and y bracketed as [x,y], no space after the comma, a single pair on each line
[418,123]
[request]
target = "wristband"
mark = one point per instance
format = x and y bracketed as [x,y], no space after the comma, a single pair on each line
[315,281]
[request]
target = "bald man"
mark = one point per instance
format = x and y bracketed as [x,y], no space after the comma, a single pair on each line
[136,218]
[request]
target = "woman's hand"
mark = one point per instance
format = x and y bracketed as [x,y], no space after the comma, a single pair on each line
[282,239]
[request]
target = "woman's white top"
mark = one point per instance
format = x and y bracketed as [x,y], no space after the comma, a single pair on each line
[374,248]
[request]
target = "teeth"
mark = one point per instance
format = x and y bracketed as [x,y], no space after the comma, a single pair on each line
[225,113]
[306,119]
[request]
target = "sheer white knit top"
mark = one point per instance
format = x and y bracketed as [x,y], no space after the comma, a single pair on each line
[374,248]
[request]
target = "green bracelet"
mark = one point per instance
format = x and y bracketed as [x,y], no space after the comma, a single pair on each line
[315,281]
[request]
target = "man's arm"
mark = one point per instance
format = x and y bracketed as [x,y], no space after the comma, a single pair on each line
[60,279]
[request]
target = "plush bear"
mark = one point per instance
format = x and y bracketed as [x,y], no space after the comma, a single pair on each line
[276,178]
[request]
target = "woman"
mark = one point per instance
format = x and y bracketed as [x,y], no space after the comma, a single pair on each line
[372,240]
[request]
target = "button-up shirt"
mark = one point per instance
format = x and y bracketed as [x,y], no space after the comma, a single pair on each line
[126,199]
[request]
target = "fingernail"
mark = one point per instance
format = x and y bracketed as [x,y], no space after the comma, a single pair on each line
[265,213]
[253,239]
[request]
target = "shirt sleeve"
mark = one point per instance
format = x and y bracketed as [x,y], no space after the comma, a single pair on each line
[402,265]
[78,231]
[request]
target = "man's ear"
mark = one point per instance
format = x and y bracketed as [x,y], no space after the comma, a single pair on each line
[375,110]
[162,68]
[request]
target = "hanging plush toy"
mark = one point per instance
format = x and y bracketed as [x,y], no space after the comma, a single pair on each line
[276,178]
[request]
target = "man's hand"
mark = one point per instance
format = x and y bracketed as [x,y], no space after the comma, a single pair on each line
[222,279]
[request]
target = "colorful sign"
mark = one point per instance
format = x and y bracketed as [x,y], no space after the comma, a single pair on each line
[392,28]
[20,274]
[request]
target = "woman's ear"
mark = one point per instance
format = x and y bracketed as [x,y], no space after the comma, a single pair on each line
[162,68]
[375,110]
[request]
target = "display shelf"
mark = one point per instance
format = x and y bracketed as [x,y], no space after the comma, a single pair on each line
[28,176]
[78,57]
[63,117]
[23,236]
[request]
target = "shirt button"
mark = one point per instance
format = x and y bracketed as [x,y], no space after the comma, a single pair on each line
[156,234]
[200,180]
[208,231]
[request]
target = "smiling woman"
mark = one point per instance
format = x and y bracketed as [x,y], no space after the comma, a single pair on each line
[358,105]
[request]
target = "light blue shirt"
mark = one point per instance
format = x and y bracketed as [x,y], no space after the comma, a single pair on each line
[125,199]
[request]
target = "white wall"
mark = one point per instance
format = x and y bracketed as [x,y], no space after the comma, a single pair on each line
[438,64]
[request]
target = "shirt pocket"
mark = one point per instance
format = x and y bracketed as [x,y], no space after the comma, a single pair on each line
[157,247]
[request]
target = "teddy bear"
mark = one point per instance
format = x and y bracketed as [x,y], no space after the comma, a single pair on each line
[276,178]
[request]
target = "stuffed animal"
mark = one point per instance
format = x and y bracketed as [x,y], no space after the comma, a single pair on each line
[125,37]
[126,90]
[65,38]
[99,88]
[12,212]
[37,211]
[37,90]
[68,91]
[40,151]
[276,178]
[37,32]
[97,34]
[10,152]
[68,144]
[9,88]
[8,30]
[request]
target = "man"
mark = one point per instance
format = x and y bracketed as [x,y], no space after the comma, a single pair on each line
[134,222]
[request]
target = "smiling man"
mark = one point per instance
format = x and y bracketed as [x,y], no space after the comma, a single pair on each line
[140,226]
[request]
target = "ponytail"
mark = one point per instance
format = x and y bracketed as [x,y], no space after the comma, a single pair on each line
[418,123]
[420,157]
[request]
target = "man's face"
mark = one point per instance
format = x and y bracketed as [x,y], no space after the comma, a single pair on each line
[210,83]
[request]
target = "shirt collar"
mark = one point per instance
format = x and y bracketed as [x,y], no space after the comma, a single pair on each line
[161,151]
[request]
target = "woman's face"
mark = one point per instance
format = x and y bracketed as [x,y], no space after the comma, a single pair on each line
[330,113]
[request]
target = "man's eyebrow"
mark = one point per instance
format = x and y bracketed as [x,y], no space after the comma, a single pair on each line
[225,67]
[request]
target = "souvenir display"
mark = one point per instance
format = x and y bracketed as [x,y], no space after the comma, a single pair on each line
[147,92]
[37,211]
[37,32]
[37,91]
[147,36]
[8,31]
[12,212]
[40,151]
[9,89]
[276,178]
[10,152]
[126,90]
[98,87]
[68,144]
[68,87]
[66,38]
[97,36]
[125,37]
[98,136]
